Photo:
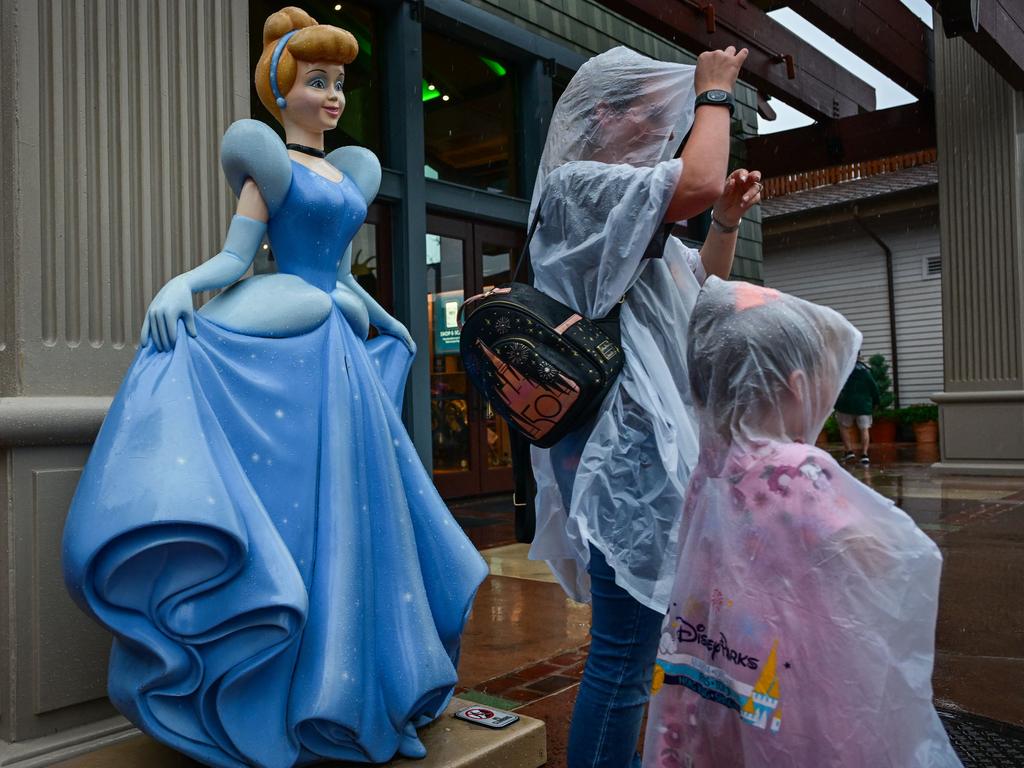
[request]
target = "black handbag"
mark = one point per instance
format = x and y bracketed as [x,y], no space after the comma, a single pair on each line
[541,365]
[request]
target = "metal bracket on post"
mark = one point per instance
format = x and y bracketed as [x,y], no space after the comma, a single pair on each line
[709,17]
[789,61]
[790,65]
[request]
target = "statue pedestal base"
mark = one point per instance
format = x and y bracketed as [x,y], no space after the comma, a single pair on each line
[455,743]
[450,743]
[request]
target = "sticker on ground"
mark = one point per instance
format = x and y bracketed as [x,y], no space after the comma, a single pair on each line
[487,716]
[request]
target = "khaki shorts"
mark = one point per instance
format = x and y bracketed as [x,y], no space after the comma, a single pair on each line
[847,419]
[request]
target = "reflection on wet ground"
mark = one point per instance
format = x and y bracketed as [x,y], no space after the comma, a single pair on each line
[978,522]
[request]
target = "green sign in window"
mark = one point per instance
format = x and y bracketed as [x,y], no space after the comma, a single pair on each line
[446,322]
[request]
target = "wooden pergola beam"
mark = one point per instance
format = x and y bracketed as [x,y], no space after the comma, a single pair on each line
[998,35]
[892,131]
[780,64]
[886,34]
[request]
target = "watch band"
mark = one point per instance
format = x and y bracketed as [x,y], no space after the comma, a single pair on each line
[716,98]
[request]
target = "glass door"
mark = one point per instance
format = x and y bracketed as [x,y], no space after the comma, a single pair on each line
[470,442]
[496,250]
[453,436]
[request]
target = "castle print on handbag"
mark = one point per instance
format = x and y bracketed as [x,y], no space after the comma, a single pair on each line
[541,365]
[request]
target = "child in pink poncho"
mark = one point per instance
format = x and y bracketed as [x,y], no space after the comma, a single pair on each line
[802,622]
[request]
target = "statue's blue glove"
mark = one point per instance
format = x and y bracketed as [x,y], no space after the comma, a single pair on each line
[352,309]
[389,326]
[173,302]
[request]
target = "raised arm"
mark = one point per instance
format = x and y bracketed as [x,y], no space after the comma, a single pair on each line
[174,300]
[742,192]
[706,154]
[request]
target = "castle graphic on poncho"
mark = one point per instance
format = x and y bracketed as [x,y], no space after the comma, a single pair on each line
[763,703]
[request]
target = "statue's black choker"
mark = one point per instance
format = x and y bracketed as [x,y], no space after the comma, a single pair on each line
[307,150]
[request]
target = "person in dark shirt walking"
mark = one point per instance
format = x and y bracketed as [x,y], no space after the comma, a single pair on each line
[857,401]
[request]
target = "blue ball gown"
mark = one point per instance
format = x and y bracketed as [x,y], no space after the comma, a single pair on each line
[255,527]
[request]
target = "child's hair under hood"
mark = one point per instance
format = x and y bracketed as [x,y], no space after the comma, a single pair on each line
[765,365]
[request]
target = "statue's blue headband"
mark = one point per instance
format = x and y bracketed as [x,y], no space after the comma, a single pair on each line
[273,69]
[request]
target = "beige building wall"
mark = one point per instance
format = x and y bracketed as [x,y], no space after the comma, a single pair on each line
[980,120]
[109,184]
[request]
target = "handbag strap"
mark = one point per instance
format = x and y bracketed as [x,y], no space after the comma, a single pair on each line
[524,255]
[655,248]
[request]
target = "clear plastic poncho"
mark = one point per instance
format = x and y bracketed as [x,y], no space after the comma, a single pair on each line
[606,177]
[801,628]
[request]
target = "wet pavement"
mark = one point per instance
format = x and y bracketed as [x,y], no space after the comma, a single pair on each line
[978,522]
[525,643]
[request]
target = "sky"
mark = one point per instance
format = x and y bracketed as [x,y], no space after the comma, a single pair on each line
[887,93]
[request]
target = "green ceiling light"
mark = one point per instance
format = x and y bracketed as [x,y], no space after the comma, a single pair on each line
[365,46]
[494,66]
[430,92]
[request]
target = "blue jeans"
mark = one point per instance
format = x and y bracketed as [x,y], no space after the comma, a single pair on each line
[617,678]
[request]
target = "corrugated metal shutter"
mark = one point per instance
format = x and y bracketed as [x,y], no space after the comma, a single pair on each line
[846,271]
[918,307]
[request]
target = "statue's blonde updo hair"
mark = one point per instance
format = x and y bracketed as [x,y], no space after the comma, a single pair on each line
[311,42]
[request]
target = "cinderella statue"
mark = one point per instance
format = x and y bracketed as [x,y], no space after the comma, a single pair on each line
[283,582]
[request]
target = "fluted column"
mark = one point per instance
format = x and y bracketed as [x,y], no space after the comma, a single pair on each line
[120,106]
[980,120]
[111,118]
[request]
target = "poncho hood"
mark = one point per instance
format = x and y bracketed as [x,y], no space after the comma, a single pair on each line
[765,365]
[620,107]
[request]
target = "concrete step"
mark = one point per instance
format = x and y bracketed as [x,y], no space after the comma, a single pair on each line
[455,743]
[450,743]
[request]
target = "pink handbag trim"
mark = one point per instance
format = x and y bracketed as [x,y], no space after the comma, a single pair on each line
[568,323]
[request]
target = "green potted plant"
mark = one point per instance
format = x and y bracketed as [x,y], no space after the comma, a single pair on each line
[884,428]
[924,419]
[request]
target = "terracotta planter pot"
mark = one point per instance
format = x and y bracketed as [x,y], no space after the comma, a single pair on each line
[927,432]
[926,453]
[883,431]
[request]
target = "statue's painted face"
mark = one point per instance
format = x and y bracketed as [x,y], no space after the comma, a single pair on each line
[317,99]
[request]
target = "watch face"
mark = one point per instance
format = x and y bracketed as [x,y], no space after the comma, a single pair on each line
[718,96]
